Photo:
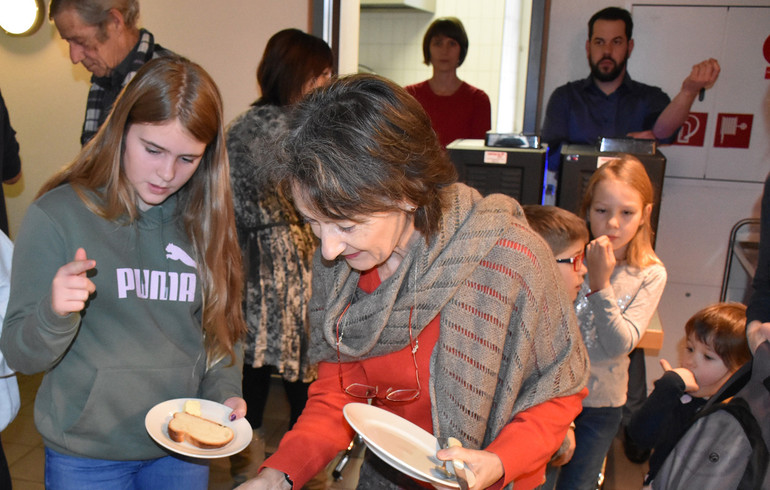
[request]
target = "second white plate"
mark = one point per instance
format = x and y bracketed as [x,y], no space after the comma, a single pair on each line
[400,443]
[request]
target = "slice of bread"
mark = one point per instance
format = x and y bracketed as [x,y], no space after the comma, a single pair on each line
[198,431]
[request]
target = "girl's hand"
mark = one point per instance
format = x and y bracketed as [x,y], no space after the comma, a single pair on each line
[600,261]
[238,405]
[71,288]
[486,466]
[690,384]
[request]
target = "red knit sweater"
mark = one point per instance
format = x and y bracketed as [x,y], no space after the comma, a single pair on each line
[464,114]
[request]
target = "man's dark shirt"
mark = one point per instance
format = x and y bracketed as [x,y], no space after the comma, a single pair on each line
[580,113]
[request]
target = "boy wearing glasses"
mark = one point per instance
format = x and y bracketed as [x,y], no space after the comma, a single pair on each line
[566,235]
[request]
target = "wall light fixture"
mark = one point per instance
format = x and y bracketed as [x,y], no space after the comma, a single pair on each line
[21,17]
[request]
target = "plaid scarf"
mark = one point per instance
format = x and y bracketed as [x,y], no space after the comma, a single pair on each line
[104,90]
[508,336]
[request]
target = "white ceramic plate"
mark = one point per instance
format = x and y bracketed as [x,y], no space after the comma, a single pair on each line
[156,422]
[400,443]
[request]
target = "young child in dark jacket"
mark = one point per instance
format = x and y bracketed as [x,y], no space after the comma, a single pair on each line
[716,348]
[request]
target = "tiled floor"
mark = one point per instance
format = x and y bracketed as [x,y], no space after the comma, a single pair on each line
[22,444]
[24,449]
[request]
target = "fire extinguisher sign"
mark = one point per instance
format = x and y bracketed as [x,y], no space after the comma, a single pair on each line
[693,131]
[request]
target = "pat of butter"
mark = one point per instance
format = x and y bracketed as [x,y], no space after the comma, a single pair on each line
[454,442]
[193,407]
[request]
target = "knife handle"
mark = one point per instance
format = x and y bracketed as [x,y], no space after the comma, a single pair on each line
[461,469]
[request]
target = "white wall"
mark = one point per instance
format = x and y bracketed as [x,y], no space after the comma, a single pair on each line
[696,214]
[350,20]
[46,94]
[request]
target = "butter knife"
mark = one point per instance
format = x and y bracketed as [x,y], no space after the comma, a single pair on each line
[465,477]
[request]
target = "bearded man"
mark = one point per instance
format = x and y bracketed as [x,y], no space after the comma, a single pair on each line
[608,103]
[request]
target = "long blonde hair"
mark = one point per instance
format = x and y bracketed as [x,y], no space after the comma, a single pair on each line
[629,170]
[165,89]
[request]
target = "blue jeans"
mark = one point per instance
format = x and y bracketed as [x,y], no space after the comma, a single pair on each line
[64,472]
[595,428]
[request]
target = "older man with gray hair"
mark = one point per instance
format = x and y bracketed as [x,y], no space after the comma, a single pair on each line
[104,37]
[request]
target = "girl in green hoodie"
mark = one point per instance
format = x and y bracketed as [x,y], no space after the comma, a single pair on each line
[127,283]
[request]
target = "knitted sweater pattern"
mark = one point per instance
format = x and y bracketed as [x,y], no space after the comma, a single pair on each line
[509,339]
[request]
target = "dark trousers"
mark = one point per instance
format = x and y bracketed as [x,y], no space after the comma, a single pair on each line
[256,387]
[637,385]
[5,473]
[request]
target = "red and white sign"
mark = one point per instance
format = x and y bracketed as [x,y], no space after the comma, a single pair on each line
[693,131]
[498,157]
[733,130]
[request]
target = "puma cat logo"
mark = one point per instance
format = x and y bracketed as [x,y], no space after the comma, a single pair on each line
[175,253]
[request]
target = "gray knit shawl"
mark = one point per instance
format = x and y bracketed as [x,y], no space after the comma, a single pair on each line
[508,335]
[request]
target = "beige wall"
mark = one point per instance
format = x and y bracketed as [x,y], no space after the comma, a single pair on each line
[46,94]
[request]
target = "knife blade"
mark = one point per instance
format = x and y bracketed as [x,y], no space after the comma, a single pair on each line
[460,474]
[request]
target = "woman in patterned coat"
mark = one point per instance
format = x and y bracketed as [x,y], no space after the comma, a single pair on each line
[277,246]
